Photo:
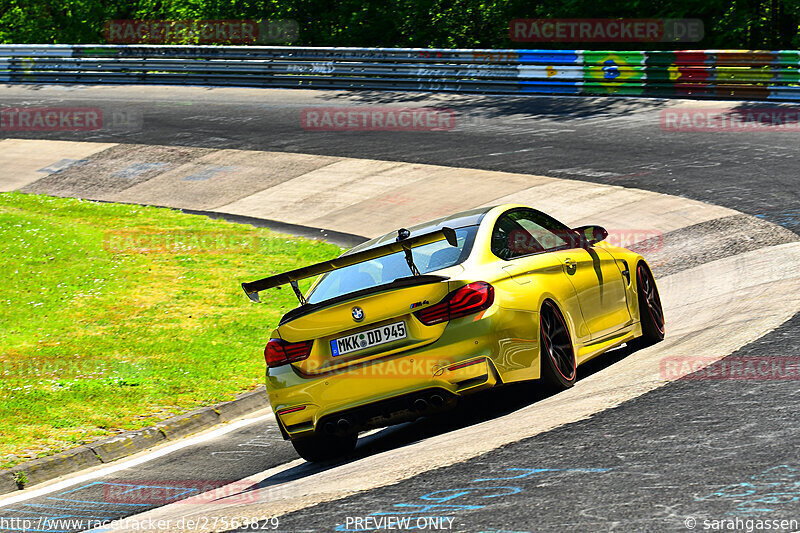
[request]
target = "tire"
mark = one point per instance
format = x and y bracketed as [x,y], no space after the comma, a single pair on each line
[325,447]
[651,314]
[555,347]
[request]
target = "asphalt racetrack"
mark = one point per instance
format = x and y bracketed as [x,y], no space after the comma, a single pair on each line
[689,455]
[612,140]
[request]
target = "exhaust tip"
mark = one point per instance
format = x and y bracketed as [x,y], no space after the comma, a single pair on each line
[420,405]
[437,401]
[330,428]
[343,424]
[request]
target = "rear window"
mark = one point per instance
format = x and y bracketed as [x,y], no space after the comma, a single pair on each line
[386,269]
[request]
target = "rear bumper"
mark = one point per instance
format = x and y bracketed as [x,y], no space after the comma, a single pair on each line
[387,412]
[473,353]
[383,391]
[375,396]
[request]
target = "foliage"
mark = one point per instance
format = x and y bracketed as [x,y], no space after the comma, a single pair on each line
[21,479]
[114,317]
[743,24]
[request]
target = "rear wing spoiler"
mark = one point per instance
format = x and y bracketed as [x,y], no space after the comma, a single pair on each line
[403,243]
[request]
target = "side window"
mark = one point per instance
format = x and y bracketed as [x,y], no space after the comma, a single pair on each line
[523,232]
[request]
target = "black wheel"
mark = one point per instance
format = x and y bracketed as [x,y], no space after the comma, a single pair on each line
[325,447]
[651,314]
[557,354]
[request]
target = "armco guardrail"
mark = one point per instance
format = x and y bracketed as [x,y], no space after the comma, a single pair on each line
[688,74]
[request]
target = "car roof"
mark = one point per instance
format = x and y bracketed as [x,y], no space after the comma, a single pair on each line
[463,219]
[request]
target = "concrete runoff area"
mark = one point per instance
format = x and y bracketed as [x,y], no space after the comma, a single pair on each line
[105,174]
[24,161]
[576,202]
[305,198]
[440,191]
[356,196]
[221,177]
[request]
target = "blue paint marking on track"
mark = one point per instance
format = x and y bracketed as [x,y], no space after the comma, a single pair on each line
[789,219]
[73,510]
[530,471]
[424,508]
[464,491]
[208,172]
[132,487]
[94,502]
[138,169]
[180,491]
[67,509]
[61,164]
[446,495]
[765,492]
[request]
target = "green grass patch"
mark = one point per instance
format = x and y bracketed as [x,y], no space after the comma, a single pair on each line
[114,317]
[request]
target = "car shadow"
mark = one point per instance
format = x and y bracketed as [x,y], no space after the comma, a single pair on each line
[472,410]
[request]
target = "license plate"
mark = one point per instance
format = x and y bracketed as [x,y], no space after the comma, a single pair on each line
[368,339]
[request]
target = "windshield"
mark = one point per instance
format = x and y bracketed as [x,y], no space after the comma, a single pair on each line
[428,258]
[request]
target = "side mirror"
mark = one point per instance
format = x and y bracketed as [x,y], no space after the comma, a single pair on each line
[591,235]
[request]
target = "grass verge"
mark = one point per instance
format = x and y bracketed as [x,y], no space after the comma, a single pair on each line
[114,317]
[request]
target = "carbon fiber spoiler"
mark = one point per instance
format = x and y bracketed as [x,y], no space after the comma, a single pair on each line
[404,243]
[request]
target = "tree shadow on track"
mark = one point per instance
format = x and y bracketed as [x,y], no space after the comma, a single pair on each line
[553,108]
[474,409]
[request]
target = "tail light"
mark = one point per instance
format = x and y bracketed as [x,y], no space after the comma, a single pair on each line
[279,352]
[467,300]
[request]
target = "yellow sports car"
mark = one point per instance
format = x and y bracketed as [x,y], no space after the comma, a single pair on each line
[404,325]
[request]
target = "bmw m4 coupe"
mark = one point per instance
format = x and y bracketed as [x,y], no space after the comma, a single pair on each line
[404,325]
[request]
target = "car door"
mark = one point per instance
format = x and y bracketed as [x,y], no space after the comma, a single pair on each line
[593,272]
[522,247]
[600,287]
